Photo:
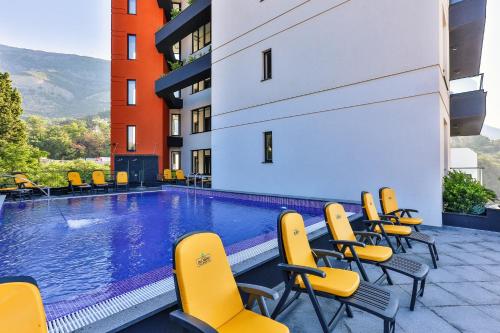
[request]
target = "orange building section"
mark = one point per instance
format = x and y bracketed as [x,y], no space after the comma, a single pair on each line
[150,114]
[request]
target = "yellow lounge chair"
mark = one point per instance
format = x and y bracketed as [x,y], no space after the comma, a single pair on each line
[75,182]
[168,176]
[99,181]
[23,182]
[389,225]
[389,205]
[302,274]
[121,180]
[21,307]
[180,177]
[346,241]
[207,292]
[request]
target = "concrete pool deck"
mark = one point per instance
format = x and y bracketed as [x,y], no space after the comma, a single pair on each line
[462,295]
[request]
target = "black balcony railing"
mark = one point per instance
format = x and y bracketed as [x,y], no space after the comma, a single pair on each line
[194,16]
[467,108]
[185,76]
[175,141]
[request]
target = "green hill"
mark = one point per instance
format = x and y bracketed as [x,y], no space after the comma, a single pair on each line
[55,85]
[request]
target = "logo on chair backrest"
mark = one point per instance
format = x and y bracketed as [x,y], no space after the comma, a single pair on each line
[338,217]
[296,232]
[390,198]
[203,259]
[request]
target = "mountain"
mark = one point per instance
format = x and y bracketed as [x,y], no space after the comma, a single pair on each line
[491,132]
[56,85]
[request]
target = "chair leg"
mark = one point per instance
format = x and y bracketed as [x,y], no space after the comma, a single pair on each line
[414,294]
[408,242]
[362,270]
[433,256]
[314,301]
[284,297]
[389,280]
[349,311]
[435,251]
[400,244]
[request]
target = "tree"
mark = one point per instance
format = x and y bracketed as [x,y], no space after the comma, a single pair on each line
[15,152]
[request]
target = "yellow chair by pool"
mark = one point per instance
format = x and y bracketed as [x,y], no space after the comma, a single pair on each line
[208,295]
[75,182]
[21,307]
[122,180]
[99,181]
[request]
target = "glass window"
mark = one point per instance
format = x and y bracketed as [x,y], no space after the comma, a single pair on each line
[132,47]
[267,65]
[131,139]
[202,120]
[132,7]
[175,125]
[175,163]
[201,37]
[201,161]
[131,92]
[268,147]
[202,85]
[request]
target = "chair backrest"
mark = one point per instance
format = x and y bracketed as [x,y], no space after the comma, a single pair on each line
[98,177]
[167,174]
[21,178]
[21,307]
[293,242]
[205,285]
[388,200]
[338,223]
[74,178]
[369,208]
[122,177]
[179,174]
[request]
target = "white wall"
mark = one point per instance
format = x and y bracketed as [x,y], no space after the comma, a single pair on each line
[357,100]
[464,159]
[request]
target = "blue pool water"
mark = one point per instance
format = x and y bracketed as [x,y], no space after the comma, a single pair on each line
[85,250]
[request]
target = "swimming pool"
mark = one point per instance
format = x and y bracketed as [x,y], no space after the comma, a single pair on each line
[86,250]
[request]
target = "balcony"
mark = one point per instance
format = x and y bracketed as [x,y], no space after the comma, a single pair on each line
[194,16]
[175,141]
[185,76]
[467,21]
[467,106]
[165,4]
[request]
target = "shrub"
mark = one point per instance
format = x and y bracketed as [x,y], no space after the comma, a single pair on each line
[464,194]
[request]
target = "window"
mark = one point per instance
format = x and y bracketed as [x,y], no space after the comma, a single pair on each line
[268,147]
[132,47]
[131,93]
[175,125]
[267,65]
[202,120]
[131,139]
[201,161]
[202,37]
[175,160]
[132,7]
[202,85]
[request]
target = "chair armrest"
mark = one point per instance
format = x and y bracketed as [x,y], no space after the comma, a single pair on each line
[347,243]
[320,253]
[368,234]
[252,289]
[302,270]
[389,217]
[378,222]
[191,323]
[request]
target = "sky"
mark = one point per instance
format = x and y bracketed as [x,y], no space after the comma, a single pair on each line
[83,27]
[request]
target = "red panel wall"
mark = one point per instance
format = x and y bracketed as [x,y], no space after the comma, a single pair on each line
[150,114]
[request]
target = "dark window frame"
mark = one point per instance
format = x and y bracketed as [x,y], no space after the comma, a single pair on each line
[128,138]
[204,44]
[268,159]
[172,123]
[194,166]
[172,159]
[128,92]
[267,65]
[205,86]
[207,121]
[129,8]
[128,46]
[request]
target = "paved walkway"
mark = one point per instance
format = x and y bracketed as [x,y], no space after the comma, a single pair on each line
[462,295]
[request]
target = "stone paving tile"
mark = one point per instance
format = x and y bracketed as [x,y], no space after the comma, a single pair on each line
[468,247]
[472,258]
[491,286]
[491,269]
[434,295]
[468,319]
[473,293]
[492,255]
[491,310]
[422,320]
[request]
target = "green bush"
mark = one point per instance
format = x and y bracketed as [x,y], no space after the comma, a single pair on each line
[464,194]
[54,174]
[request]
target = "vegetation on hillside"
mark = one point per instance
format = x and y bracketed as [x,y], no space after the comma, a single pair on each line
[488,157]
[24,143]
